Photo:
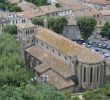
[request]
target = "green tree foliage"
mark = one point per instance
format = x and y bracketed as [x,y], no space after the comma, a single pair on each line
[106,30]
[15,81]
[12,69]
[98,94]
[30,92]
[38,2]
[11,7]
[56,23]
[76,98]
[2,6]
[107,89]
[12,29]
[2,1]
[86,25]
[15,9]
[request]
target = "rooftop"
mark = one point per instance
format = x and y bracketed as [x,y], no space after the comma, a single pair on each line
[14,1]
[26,6]
[54,63]
[67,46]
[102,2]
[58,81]
[25,25]
[42,11]
[73,5]
[105,12]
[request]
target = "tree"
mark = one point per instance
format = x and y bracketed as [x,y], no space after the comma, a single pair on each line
[38,2]
[2,1]
[15,81]
[12,29]
[98,94]
[86,25]
[15,9]
[106,30]
[31,92]
[56,23]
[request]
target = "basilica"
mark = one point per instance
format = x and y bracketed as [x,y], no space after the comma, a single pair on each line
[59,61]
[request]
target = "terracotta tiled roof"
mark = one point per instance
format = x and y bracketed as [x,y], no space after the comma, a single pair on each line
[67,46]
[42,11]
[56,64]
[102,2]
[105,12]
[43,67]
[73,5]
[57,80]
[26,6]
[87,12]
[25,25]
[71,20]
[14,1]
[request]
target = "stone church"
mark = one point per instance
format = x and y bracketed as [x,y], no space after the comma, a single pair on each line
[59,61]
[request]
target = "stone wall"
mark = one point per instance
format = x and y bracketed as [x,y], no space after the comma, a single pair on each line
[91,75]
[72,32]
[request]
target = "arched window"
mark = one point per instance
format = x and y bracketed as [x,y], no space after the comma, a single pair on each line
[47,47]
[84,77]
[27,41]
[53,50]
[65,58]
[42,44]
[91,73]
[59,54]
[97,74]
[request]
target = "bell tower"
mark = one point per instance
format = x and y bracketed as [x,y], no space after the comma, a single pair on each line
[26,33]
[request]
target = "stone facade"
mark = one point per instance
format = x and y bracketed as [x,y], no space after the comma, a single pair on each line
[65,71]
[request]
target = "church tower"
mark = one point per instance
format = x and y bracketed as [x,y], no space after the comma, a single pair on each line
[26,33]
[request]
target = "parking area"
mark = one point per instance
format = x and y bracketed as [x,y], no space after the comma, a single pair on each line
[101,48]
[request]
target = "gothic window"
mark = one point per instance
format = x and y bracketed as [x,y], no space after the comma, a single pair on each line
[47,47]
[97,73]
[32,40]
[65,58]
[84,77]
[53,50]
[91,73]
[42,44]
[16,21]
[59,54]
[26,32]
[22,21]
[27,41]
[36,41]
[66,30]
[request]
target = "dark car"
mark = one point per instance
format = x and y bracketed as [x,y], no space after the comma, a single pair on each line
[104,46]
[80,41]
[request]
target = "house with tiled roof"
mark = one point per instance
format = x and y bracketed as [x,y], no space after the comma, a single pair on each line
[59,61]
[98,4]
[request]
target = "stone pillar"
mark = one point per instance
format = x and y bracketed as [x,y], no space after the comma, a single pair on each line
[46,23]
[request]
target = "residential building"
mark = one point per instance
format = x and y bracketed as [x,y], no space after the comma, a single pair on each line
[98,4]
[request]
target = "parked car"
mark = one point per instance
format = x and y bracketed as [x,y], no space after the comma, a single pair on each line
[104,46]
[80,41]
[99,45]
[106,55]
[108,47]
